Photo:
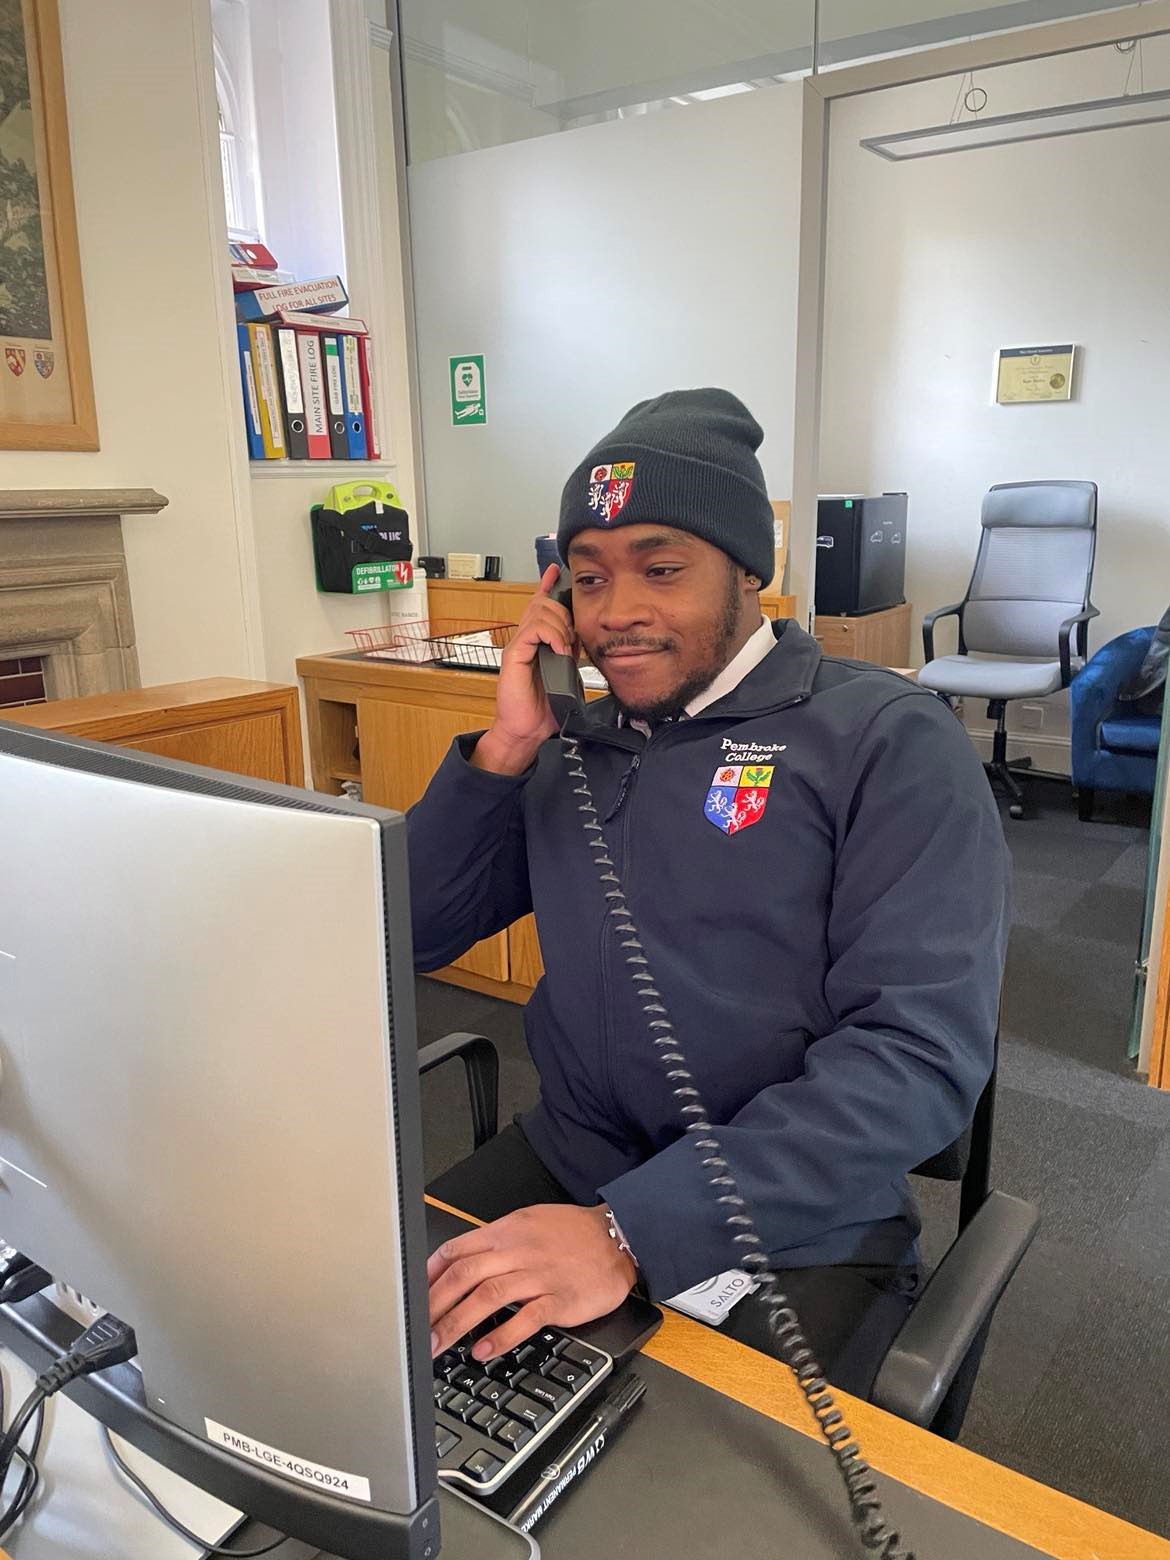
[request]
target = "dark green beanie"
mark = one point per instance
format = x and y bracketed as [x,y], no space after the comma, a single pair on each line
[685,459]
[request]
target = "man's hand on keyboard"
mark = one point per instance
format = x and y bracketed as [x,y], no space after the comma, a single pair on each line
[556,1263]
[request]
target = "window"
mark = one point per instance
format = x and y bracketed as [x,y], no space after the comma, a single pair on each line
[237,119]
[230,167]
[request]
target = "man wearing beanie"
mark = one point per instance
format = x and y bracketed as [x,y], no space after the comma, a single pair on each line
[816,871]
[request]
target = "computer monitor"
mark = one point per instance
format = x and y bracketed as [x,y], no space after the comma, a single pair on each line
[209,1117]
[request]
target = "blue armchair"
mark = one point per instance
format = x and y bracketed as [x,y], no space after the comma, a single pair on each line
[1112,749]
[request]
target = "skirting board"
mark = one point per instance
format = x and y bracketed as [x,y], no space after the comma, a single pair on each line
[1051,753]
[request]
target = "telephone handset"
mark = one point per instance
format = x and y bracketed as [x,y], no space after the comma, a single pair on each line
[562,681]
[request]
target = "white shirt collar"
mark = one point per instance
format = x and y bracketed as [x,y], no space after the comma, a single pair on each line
[748,658]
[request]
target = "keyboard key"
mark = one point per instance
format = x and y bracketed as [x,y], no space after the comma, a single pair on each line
[494,1392]
[443,1393]
[578,1354]
[512,1433]
[549,1341]
[512,1372]
[466,1377]
[445,1440]
[487,1418]
[462,1406]
[446,1365]
[530,1413]
[544,1391]
[569,1375]
[524,1354]
[482,1466]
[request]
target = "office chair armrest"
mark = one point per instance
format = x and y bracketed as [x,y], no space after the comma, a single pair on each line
[1066,629]
[956,1304]
[481,1062]
[930,620]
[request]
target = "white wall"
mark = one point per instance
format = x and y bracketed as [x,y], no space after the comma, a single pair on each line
[593,269]
[933,265]
[150,279]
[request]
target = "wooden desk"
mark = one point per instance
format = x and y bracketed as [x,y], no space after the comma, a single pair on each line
[249,728]
[1005,1501]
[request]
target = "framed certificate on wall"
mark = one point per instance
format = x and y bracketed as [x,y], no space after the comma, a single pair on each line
[46,391]
[1034,374]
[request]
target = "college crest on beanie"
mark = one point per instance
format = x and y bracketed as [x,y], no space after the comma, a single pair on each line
[609,488]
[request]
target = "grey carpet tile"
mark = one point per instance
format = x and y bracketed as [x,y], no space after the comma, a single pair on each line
[1051,1075]
[1097,1419]
[1141,1238]
[1078,1166]
[1041,900]
[1129,870]
[1039,1306]
[1069,995]
[1060,854]
[1105,912]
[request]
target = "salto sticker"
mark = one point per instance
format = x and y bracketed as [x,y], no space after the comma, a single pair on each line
[330,1479]
[711,1300]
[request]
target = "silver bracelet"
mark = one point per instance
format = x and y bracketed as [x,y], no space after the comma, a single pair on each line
[615,1233]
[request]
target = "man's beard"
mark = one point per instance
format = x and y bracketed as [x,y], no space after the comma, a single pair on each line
[704,675]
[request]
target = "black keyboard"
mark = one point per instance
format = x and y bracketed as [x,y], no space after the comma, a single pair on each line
[489,1419]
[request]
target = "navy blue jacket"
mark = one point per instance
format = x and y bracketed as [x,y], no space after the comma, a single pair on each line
[818,874]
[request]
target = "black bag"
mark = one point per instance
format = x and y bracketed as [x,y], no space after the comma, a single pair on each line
[362,550]
[1146,688]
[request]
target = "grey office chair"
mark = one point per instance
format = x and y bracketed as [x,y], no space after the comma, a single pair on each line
[929,1371]
[1029,589]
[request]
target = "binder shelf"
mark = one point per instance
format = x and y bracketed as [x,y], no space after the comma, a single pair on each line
[466,644]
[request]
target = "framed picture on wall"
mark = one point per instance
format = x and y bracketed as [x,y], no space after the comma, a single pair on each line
[46,390]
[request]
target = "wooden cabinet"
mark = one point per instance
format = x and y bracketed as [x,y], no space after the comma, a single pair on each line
[880,637]
[488,601]
[248,728]
[524,960]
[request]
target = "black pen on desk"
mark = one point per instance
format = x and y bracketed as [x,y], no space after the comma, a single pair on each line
[573,1461]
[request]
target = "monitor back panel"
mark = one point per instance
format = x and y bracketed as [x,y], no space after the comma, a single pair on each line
[198,1112]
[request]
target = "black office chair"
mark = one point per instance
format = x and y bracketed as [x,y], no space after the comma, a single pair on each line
[929,1372]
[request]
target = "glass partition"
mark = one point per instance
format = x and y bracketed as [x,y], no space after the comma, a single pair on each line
[480,75]
[853,30]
